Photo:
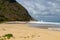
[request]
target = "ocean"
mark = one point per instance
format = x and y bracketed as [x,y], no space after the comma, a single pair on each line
[45,25]
[46,10]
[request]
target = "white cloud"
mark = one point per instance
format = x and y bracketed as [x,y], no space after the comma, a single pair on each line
[45,8]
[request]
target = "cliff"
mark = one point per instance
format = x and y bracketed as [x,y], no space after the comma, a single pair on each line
[10,10]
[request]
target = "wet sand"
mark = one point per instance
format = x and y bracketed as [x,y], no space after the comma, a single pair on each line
[25,32]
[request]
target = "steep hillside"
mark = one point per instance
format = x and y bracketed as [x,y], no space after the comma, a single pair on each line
[10,10]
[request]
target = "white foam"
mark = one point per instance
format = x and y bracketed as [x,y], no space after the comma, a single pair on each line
[41,22]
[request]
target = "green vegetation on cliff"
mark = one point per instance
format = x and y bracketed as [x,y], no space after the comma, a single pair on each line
[10,10]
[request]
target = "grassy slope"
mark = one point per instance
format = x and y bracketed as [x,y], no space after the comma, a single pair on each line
[10,10]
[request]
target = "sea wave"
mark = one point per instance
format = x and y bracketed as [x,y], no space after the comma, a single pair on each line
[44,22]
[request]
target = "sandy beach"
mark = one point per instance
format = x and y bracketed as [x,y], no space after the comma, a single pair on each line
[25,32]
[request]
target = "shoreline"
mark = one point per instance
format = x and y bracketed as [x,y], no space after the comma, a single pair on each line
[25,32]
[37,24]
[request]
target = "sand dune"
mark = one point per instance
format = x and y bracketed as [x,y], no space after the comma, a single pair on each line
[24,32]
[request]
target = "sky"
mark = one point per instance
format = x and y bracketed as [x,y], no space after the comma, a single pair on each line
[45,10]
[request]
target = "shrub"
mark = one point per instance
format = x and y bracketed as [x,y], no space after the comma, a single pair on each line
[6,36]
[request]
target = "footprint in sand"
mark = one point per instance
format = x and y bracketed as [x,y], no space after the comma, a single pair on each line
[32,36]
